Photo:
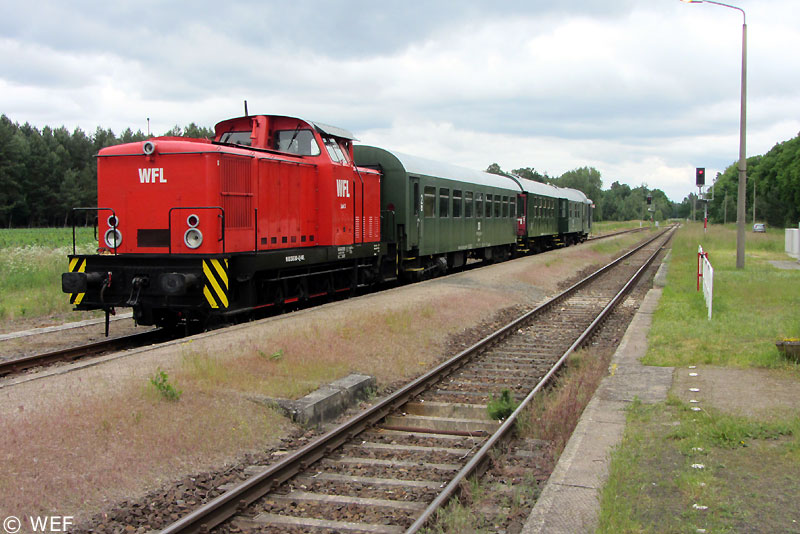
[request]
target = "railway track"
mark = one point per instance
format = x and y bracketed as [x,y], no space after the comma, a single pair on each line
[391,467]
[14,366]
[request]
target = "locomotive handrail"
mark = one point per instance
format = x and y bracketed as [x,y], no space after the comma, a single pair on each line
[72,217]
[222,216]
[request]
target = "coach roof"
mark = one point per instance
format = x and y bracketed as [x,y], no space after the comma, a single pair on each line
[424,167]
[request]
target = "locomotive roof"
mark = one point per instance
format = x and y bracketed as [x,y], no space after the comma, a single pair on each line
[324,128]
[426,167]
[332,130]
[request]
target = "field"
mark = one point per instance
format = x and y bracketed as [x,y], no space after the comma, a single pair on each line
[605,227]
[31,263]
[731,465]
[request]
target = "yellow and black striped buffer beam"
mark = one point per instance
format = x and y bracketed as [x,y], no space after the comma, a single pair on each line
[77,265]
[216,286]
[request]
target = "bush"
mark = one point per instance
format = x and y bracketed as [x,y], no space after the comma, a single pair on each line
[160,381]
[502,407]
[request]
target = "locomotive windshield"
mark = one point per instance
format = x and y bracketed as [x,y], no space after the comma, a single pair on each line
[300,142]
[236,138]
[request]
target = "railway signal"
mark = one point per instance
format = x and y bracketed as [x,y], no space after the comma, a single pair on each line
[700,176]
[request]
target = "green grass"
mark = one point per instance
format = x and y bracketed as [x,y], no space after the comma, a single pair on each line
[606,227]
[31,263]
[45,237]
[751,465]
[749,480]
[752,308]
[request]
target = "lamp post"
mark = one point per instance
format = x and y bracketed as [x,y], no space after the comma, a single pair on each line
[740,207]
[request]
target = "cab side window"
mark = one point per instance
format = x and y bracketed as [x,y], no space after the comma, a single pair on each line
[335,151]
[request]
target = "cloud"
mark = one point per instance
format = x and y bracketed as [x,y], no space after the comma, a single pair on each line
[642,91]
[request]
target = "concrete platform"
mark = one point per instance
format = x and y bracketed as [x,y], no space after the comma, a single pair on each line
[569,502]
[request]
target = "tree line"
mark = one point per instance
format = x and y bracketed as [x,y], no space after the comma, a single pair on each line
[45,173]
[773,188]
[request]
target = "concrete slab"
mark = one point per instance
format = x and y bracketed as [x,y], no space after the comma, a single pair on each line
[58,328]
[786,264]
[327,402]
[569,502]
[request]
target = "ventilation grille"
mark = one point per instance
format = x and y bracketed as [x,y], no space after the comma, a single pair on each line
[236,191]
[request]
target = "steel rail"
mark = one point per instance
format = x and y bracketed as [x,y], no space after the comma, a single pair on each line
[18,365]
[246,492]
[483,453]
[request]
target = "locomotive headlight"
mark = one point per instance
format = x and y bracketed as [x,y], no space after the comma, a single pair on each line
[113,238]
[193,220]
[148,147]
[193,237]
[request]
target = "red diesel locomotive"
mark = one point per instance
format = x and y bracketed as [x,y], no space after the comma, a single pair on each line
[276,210]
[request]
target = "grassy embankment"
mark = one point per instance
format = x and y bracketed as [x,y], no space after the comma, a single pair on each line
[750,463]
[31,263]
[605,227]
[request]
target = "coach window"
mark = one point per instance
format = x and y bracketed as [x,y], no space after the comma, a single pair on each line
[415,199]
[456,203]
[444,202]
[488,205]
[429,204]
[498,206]
[478,204]
[512,207]
[468,204]
[505,207]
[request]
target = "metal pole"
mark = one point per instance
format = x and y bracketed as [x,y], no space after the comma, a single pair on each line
[740,201]
[740,222]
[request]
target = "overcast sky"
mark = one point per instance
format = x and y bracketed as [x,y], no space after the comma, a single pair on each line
[644,91]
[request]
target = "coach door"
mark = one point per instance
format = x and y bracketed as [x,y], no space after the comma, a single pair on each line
[521,219]
[415,222]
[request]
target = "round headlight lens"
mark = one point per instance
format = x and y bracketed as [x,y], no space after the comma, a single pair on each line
[112,221]
[193,220]
[113,238]
[193,238]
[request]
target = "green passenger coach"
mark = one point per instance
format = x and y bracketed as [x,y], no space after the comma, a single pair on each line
[436,216]
[442,214]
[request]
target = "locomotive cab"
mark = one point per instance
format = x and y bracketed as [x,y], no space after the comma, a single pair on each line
[192,227]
